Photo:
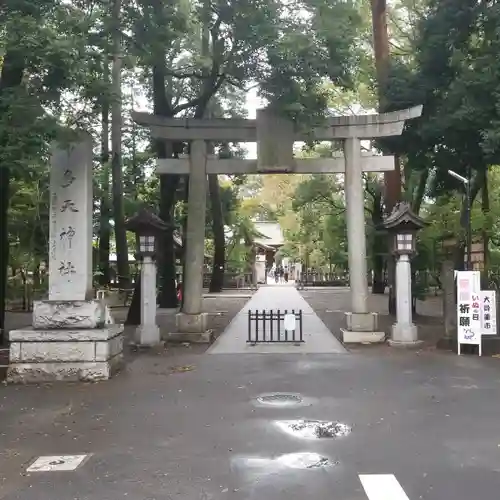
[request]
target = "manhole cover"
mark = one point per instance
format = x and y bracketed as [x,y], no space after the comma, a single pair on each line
[280,399]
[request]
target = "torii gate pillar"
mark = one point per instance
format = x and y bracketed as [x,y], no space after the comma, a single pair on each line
[191,322]
[362,326]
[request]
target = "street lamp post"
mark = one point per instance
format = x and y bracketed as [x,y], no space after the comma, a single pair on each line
[466,182]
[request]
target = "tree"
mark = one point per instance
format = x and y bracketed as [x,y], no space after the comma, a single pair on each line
[43,55]
[116,147]
[454,74]
[246,41]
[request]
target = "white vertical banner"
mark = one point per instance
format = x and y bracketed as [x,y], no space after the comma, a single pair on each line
[488,312]
[468,308]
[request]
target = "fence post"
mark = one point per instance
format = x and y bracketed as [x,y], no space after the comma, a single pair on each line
[272,321]
[249,326]
[256,326]
[264,315]
[300,324]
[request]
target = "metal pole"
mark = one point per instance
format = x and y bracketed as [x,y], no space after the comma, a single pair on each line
[469,220]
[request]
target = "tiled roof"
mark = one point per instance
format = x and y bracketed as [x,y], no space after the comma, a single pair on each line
[271,231]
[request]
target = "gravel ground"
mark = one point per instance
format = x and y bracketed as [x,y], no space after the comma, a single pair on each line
[221,309]
[330,304]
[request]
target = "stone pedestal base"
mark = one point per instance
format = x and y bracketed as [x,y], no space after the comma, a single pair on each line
[351,337]
[65,314]
[147,335]
[361,322]
[191,323]
[65,355]
[190,328]
[406,344]
[192,338]
[404,334]
[362,328]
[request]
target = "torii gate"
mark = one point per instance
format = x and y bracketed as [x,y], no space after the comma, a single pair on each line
[275,137]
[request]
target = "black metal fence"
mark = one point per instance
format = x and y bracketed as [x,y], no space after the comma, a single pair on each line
[310,279]
[231,280]
[268,327]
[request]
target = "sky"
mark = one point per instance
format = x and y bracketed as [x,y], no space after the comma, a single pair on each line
[254,102]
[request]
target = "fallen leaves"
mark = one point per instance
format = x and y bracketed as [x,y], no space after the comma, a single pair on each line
[182,369]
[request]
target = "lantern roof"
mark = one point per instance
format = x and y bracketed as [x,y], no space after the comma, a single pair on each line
[403,218]
[145,222]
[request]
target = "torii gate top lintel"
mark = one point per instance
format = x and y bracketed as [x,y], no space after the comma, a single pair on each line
[275,136]
[246,130]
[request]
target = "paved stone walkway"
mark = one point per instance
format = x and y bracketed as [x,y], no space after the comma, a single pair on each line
[318,338]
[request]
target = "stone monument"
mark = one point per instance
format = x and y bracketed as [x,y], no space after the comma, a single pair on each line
[72,337]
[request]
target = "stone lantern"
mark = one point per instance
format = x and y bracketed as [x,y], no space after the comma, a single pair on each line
[147,228]
[403,225]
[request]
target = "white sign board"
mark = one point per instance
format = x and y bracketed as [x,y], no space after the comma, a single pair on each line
[488,312]
[469,308]
[289,322]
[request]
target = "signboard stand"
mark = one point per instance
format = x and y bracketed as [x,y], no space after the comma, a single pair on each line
[469,343]
[488,312]
[469,324]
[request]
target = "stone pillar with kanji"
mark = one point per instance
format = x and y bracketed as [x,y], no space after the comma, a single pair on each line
[72,337]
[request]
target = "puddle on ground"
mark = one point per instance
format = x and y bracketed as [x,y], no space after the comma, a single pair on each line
[289,461]
[280,399]
[314,429]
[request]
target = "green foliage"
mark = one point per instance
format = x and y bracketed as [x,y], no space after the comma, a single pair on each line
[454,73]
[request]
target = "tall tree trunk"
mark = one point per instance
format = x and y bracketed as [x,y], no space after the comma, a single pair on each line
[392,180]
[167,297]
[217,280]
[166,261]
[485,208]
[380,44]
[459,251]
[116,147]
[136,175]
[4,237]
[184,234]
[379,246]
[134,311]
[104,225]
[420,193]
[10,78]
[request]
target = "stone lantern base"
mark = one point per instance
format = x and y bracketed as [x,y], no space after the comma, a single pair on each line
[191,328]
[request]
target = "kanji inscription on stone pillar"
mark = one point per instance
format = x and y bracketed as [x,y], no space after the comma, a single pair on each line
[70,247]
